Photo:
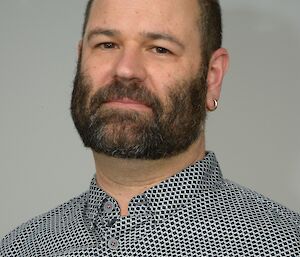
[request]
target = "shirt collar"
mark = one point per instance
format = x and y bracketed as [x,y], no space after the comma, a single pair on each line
[173,193]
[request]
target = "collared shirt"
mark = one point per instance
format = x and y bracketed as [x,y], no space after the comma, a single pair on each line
[193,213]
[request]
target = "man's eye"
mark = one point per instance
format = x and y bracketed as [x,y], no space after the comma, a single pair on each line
[161,50]
[107,45]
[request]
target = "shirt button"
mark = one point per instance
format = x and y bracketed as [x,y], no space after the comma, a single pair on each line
[113,243]
[108,207]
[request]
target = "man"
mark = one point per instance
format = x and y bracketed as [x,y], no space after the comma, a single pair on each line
[148,71]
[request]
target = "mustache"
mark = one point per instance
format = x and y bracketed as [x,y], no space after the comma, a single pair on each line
[133,90]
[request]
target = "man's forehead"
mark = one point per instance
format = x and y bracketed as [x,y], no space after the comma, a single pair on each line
[176,14]
[149,3]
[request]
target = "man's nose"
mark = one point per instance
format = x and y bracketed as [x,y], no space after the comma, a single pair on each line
[130,65]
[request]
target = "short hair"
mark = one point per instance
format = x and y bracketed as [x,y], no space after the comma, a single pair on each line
[210,26]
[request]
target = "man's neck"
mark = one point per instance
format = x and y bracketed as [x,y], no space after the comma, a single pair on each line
[125,178]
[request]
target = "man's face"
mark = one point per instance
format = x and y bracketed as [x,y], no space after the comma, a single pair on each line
[139,91]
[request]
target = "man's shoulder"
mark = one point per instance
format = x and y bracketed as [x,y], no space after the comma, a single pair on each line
[238,213]
[245,203]
[239,203]
[250,197]
[27,237]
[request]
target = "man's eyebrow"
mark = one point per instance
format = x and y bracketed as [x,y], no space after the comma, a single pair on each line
[163,36]
[148,35]
[102,31]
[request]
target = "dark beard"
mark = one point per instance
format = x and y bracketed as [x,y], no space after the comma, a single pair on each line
[169,130]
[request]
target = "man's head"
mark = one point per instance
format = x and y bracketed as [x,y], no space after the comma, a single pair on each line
[143,82]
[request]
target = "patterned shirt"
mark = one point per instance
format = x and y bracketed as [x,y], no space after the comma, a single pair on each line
[194,213]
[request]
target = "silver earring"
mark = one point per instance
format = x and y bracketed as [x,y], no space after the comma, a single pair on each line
[215,105]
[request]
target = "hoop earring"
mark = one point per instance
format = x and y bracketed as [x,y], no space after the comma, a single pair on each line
[215,105]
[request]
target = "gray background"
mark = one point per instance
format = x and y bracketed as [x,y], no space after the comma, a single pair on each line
[255,132]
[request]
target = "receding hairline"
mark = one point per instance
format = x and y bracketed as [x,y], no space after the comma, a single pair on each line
[91,3]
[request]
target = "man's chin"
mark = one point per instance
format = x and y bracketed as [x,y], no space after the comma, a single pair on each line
[122,139]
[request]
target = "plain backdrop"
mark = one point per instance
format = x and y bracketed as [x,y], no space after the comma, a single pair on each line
[254,133]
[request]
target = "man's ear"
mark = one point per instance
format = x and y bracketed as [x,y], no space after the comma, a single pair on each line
[218,66]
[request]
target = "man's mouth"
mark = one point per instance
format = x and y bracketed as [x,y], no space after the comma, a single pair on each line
[127,103]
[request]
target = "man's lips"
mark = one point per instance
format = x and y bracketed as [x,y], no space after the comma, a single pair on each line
[127,103]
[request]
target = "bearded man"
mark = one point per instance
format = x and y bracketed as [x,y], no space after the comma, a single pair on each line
[148,71]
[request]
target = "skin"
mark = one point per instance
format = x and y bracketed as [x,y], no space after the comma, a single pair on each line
[155,42]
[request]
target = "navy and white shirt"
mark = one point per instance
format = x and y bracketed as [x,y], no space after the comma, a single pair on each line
[194,213]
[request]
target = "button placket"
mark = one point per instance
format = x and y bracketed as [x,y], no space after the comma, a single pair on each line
[108,214]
